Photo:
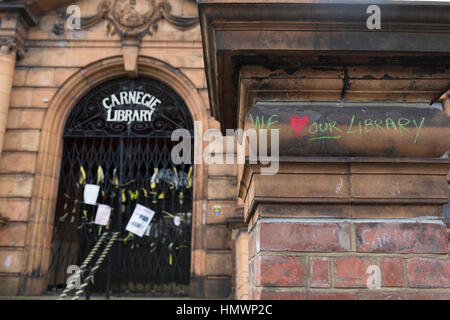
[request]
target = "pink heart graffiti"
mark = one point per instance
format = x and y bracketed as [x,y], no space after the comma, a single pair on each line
[297,123]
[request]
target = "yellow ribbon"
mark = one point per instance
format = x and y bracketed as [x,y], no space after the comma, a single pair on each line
[161,196]
[133,195]
[153,180]
[82,176]
[171,215]
[99,175]
[170,253]
[128,237]
[124,195]
[189,183]
[115,178]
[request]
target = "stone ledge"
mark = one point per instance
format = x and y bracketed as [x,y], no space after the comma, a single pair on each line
[348,182]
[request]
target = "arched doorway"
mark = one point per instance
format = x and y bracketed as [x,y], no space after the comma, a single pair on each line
[118,137]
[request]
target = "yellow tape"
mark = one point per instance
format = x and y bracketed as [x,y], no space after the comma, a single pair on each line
[124,195]
[115,178]
[189,184]
[129,236]
[153,180]
[99,175]
[82,176]
[170,253]
[134,195]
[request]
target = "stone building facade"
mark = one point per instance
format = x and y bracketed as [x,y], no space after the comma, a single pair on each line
[43,75]
[46,69]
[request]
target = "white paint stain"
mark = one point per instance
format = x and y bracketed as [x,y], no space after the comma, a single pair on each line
[396,189]
[382,239]
[8,261]
[339,186]
[343,239]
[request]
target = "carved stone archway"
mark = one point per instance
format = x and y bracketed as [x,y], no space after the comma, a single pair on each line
[45,188]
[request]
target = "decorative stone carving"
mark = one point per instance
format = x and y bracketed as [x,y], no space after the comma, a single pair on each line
[10,45]
[129,18]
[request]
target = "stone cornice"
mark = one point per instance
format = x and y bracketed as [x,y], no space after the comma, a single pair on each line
[22,9]
[256,29]
[12,37]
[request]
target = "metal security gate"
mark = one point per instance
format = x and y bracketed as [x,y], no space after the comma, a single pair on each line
[131,162]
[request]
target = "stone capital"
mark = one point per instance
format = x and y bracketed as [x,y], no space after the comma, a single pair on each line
[11,46]
[12,37]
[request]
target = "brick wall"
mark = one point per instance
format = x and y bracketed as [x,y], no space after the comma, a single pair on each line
[317,259]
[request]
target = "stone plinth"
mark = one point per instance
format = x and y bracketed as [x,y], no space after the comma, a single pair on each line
[319,229]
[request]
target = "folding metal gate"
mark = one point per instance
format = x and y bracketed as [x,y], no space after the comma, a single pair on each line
[131,162]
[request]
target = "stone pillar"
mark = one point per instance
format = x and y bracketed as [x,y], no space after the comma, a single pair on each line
[336,226]
[239,249]
[355,210]
[319,229]
[7,66]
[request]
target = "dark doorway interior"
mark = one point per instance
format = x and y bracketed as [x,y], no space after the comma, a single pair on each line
[131,162]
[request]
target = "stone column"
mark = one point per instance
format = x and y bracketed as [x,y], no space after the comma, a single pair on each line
[7,66]
[318,230]
[355,210]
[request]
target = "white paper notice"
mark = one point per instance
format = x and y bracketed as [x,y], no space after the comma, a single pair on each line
[103,213]
[140,220]
[91,193]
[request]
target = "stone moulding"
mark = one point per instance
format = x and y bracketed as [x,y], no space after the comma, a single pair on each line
[239,34]
[129,19]
[345,186]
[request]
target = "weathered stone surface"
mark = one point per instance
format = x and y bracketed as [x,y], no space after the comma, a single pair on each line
[356,130]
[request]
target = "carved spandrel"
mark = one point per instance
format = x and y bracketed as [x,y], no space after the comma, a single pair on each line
[129,18]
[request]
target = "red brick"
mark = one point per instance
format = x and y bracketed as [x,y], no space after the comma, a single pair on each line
[270,294]
[403,295]
[316,236]
[351,272]
[428,272]
[401,237]
[391,272]
[251,245]
[281,271]
[319,272]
